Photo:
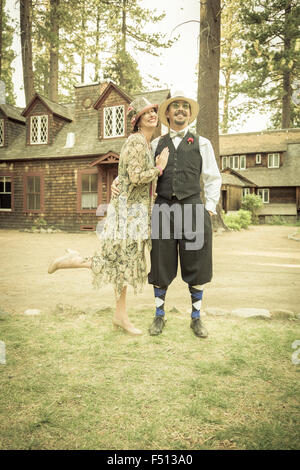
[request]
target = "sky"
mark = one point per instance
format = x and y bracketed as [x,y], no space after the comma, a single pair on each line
[176,67]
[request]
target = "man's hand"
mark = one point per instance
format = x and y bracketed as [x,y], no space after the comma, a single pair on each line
[210,213]
[114,187]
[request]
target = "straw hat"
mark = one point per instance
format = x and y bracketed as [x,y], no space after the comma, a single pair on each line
[138,107]
[178,95]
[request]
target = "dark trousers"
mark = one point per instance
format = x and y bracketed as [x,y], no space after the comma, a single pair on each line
[196,264]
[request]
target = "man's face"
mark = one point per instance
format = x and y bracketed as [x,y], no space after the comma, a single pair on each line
[179,113]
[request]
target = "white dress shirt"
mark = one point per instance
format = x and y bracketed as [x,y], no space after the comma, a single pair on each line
[212,179]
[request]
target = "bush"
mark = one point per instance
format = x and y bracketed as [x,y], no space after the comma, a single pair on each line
[277,220]
[251,203]
[238,220]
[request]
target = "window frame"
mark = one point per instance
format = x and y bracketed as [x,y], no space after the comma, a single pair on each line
[25,192]
[246,191]
[240,160]
[114,107]
[39,116]
[10,175]
[264,191]
[224,159]
[258,160]
[272,155]
[88,171]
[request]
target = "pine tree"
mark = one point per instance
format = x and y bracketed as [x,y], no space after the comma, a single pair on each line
[26,45]
[271,59]
[7,53]
[127,28]
[231,46]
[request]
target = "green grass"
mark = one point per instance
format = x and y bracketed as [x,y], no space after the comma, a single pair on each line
[71,382]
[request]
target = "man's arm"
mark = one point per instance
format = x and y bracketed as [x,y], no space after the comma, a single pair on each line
[211,175]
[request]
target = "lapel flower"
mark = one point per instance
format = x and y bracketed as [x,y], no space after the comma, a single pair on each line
[190,140]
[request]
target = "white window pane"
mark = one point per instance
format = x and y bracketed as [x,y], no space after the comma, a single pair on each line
[89,201]
[114,123]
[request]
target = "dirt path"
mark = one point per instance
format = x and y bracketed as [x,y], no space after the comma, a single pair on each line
[259,267]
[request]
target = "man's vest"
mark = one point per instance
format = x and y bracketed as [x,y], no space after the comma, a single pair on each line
[181,177]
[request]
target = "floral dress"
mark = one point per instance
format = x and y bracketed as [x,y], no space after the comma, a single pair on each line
[121,258]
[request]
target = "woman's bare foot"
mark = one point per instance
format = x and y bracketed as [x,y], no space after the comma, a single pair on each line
[71,259]
[126,326]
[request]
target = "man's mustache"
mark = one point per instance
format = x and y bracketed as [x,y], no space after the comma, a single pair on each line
[180,112]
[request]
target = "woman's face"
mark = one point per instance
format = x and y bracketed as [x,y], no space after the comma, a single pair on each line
[148,119]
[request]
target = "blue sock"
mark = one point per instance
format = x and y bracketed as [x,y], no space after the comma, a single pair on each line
[196,295]
[160,293]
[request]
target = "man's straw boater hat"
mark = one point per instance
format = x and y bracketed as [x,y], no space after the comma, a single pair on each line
[177,96]
[138,107]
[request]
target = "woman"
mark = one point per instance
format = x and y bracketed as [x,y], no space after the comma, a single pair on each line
[121,259]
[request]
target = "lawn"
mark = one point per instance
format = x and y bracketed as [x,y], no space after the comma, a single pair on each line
[71,382]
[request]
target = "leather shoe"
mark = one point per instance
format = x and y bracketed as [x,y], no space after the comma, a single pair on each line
[198,328]
[157,326]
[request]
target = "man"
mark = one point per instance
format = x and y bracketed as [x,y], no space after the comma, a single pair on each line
[177,188]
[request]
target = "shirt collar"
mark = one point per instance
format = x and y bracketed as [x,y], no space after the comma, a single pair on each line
[185,130]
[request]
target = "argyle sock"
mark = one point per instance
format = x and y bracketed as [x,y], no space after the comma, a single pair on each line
[160,293]
[196,295]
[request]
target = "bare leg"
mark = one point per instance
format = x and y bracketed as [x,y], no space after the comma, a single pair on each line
[72,259]
[121,319]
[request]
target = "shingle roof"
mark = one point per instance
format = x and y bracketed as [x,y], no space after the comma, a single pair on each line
[155,97]
[257,142]
[12,112]
[55,108]
[86,141]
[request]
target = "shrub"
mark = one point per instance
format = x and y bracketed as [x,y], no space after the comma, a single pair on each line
[238,220]
[251,203]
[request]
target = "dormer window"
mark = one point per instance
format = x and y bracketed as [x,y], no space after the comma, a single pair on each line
[114,122]
[273,160]
[1,132]
[39,129]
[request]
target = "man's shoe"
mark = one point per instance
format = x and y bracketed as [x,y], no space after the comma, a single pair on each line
[157,326]
[198,328]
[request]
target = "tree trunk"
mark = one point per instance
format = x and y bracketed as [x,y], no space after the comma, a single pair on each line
[26,45]
[124,26]
[97,61]
[208,81]
[287,89]
[54,42]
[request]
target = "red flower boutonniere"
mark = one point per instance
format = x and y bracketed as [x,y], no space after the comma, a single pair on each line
[190,140]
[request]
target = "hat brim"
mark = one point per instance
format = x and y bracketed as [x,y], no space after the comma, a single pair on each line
[144,110]
[164,106]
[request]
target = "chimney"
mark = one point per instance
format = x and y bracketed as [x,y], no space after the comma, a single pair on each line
[85,97]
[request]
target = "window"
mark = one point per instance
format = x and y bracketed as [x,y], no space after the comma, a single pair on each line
[246,191]
[258,158]
[5,193]
[234,162]
[33,193]
[39,129]
[114,121]
[242,162]
[1,132]
[89,191]
[264,194]
[273,160]
[224,162]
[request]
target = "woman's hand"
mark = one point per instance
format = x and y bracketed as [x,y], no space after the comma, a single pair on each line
[162,158]
[114,187]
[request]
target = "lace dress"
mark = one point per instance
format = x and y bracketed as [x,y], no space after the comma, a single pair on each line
[121,258]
